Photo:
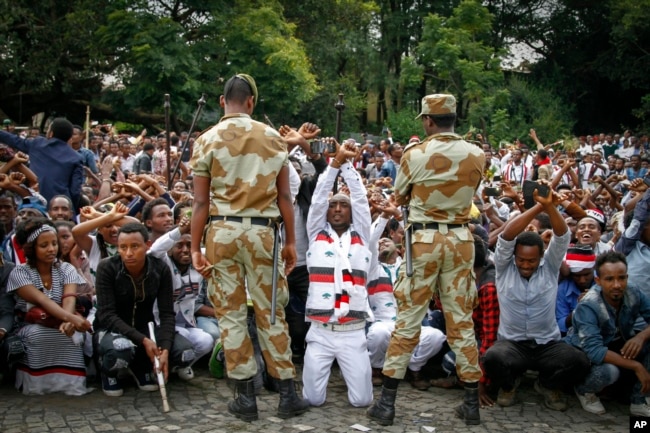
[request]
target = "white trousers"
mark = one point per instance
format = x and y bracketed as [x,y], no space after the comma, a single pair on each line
[350,350]
[202,342]
[431,341]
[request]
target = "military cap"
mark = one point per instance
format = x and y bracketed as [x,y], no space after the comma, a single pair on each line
[433,105]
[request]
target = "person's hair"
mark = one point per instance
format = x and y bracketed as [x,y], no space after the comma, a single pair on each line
[10,195]
[563,186]
[542,153]
[609,257]
[391,147]
[480,252]
[530,239]
[61,128]
[68,224]
[24,231]
[179,207]
[174,139]
[444,120]
[148,146]
[49,205]
[77,127]
[134,228]
[544,221]
[148,208]
[237,90]
[84,200]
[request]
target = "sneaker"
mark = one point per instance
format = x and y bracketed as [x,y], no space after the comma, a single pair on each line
[507,398]
[145,381]
[185,373]
[553,398]
[590,402]
[111,386]
[417,381]
[216,363]
[640,410]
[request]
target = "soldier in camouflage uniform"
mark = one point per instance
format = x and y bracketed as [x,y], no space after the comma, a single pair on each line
[437,180]
[241,187]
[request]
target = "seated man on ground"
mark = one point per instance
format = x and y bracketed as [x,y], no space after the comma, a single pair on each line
[528,337]
[134,289]
[603,327]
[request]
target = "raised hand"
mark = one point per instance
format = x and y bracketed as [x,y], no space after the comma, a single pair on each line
[309,130]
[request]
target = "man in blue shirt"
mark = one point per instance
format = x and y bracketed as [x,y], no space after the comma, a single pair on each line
[57,165]
[581,260]
[603,327]
[528,337]
[87,155]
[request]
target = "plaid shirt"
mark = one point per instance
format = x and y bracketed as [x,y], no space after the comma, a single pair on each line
[486,315]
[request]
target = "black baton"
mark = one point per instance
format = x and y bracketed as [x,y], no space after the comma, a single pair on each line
[274,286]
[407,241]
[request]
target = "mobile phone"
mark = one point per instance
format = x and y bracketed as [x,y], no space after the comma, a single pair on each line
[492,192]
[496,178]
[529,187]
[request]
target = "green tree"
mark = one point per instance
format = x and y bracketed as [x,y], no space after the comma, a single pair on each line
[456,58]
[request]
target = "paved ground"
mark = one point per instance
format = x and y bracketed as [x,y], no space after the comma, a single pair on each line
[200,406]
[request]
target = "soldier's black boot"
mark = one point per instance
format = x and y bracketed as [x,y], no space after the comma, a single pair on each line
[244,405]
[469,409]
[383,410]
[290,404]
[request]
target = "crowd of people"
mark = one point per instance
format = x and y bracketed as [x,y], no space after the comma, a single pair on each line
[275,247]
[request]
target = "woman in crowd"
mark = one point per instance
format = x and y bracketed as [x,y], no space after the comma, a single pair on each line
[53,361]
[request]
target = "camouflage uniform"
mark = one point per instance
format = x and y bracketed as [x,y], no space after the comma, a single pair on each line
[437,179]
[243,158]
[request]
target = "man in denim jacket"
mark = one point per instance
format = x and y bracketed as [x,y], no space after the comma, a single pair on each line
[603,327]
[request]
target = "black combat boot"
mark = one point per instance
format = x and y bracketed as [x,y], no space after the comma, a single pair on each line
[290,404]
[383,410]
[468,410]
[244,405]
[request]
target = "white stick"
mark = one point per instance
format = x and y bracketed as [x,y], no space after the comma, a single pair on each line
[159,373]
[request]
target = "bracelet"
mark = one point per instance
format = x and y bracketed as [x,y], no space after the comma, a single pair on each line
[67,295]
[107,180]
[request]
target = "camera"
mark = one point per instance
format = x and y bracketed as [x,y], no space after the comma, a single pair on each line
[492,192]
[318,146]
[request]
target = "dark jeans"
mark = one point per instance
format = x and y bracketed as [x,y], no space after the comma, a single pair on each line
[298,281]
[558,363]
[116,352]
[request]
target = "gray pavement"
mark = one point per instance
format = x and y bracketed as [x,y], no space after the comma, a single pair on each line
[200,406]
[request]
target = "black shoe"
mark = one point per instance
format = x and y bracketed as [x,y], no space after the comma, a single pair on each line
[145,380]
[383,410]
[290,404]
[111,386]
[468,410]
[244,405]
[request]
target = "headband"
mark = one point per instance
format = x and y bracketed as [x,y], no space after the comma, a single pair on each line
[42,229]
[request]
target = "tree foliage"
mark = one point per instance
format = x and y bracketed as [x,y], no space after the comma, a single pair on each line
[122,56]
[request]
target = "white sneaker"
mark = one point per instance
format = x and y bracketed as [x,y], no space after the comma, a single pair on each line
[186,373]
[640,410]
[591,403]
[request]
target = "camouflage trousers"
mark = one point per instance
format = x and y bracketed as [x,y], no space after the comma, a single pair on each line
[443,263]
[242,257]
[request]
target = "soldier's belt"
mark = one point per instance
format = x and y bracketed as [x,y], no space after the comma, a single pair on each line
[267,222]
[345,327]
[435,226]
